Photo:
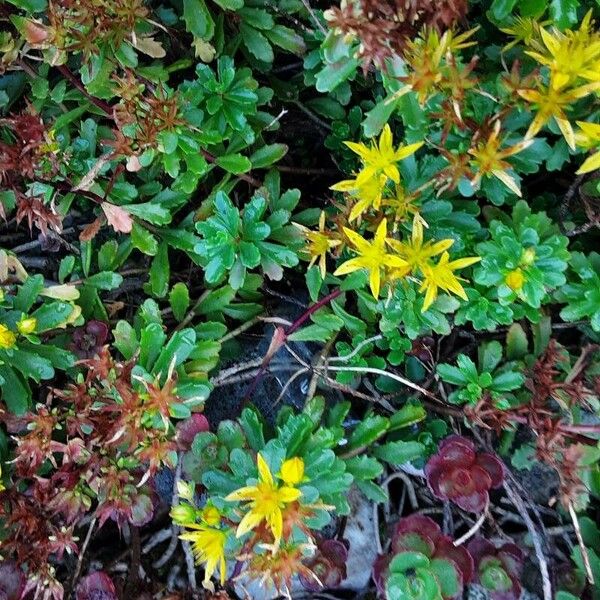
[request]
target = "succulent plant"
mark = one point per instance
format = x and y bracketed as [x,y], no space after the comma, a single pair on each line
[12,581]
[96,586]
[89,339]
[458,473]
[423,564]
[497,569]
[328,565]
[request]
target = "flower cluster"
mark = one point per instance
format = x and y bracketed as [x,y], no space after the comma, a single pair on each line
[388,260]
[265,515]
[572,59]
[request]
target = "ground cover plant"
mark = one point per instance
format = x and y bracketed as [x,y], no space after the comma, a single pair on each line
[299,299]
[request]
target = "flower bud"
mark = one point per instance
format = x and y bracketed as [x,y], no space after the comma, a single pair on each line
[183,514]
[292,471]
[515,280]
[528,257]
[185,490]
[211,515]
[27,325]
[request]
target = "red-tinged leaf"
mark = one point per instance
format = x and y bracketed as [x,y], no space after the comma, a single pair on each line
[187,430]
[96,586]
[89,232]
[12,580]
[118,218]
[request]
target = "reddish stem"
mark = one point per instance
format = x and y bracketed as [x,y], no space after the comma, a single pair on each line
[280,338]
[248,178]
[312,309]
[103,106]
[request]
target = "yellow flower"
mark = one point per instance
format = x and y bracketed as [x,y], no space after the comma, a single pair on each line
[368,192]
[266,501]
[515,280]
[442,276]
[571,55]
[552,103]
[423,56]
[588,137]
[402,204]
[318,243]
[2,488]
[7,338]
[27,325]
[292,471]
[373,257]
[208,546]
[489,159]
[416,253]
[381,157]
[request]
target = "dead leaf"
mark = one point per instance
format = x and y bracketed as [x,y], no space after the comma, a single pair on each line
[149,46]
[89,232]
[88,179]
[61,292]
[133,164]
[112,308]
[118,218]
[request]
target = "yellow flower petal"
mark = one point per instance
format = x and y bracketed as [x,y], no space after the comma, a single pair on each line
[591,163]
[264,472]
[245,493]
[354,264]
[250,520]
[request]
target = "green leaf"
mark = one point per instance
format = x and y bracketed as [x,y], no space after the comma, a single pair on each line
[179,299]
[451,374]
[517,344]
[286,38]
[490,355]
[53,315]
[502,8]
[257,18]
[314,281]
[33,6]
[364,467]
[32,365]
[143,240]
[564,12]
[125,339]
[15,392]
[253,429]
[312,333]
[153,212]
[398,453]
[160,271]
[256,43]
[372,491]
[335,74]
[267,155]
[234,163]
[371,428]
[28,293]
[105,280]
[447,576]
[198,19]
[178,348]
[407,561]
[408,415]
